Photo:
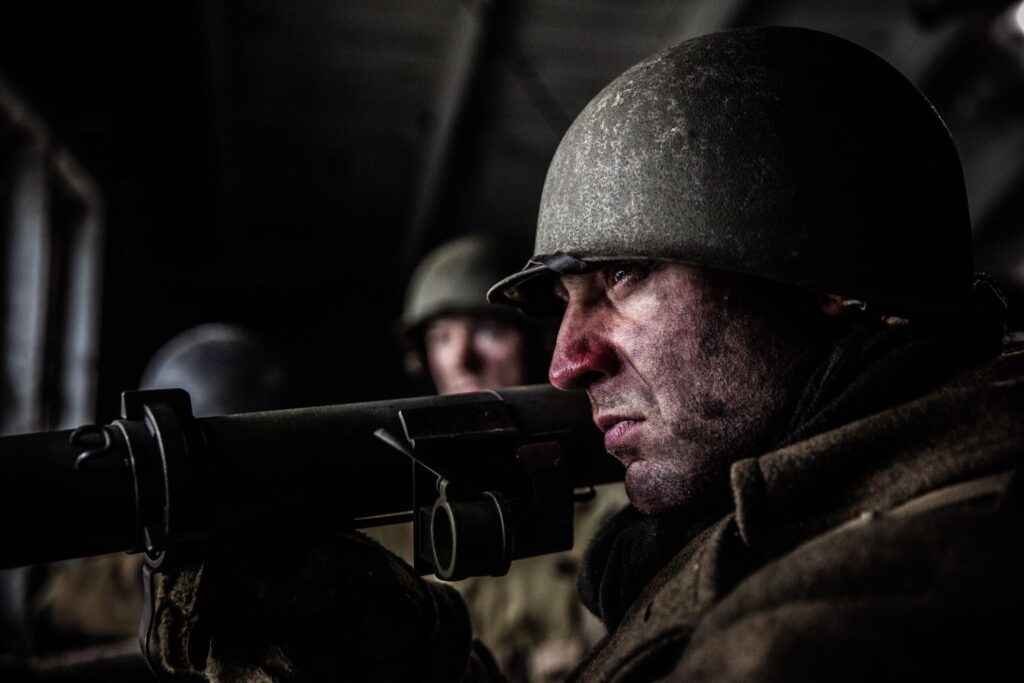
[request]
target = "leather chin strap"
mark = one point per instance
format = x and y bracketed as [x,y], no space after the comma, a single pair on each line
[564,264]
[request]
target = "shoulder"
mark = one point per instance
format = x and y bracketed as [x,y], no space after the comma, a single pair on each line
[929,591]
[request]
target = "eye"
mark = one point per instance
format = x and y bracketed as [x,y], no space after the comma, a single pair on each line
[619,273]
[625,273]
[491,330]
[435,337]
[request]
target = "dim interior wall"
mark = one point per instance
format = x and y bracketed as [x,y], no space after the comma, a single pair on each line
[51,250]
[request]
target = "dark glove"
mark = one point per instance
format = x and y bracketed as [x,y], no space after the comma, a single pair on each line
[343,609]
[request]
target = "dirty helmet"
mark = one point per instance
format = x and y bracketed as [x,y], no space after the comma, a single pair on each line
[781,153]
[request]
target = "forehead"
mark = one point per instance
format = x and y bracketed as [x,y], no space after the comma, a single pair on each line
[450,319]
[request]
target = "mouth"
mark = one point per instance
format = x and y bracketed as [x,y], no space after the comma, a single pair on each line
[618,430]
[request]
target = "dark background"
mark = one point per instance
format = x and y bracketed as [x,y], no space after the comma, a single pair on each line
[283,163]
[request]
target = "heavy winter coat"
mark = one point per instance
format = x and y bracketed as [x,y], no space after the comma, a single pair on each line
[888,547]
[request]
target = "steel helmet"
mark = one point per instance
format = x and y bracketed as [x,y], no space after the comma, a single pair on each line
[784,153]
[225,369]
[454,278]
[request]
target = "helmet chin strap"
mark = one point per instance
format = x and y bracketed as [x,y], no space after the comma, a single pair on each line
[563,263]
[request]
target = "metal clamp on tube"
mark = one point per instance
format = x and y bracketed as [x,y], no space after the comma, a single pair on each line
[482,496]
[163,439]
[171,504]
[470,537]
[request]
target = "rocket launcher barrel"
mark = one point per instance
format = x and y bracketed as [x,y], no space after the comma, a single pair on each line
[487,477]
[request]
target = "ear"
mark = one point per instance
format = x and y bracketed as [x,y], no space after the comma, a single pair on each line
[835,306]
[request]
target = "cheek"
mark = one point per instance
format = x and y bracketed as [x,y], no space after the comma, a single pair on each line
[661,349]
[442,368]
[688,368]
[438,360]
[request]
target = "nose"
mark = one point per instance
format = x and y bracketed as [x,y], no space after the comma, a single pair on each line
[466,354]
[583,355]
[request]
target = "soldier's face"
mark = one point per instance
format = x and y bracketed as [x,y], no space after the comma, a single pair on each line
[472,353]
[684,373]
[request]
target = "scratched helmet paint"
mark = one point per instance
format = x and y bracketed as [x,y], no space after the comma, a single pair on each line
[782,153]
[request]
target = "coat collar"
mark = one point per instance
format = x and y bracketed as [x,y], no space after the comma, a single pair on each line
[968,428]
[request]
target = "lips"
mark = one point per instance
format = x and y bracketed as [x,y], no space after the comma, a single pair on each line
[618,430]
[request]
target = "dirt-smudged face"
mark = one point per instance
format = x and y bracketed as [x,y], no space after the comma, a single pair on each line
[687,369]
[471,353]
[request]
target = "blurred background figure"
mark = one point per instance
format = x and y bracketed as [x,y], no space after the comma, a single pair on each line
[225,368]
[531,618]
[460,340]
[78,620]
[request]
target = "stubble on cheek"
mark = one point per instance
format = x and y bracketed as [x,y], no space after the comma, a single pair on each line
[755,349]
[676,461]
[729,370]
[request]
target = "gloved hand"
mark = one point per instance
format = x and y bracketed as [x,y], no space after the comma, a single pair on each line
[338,609]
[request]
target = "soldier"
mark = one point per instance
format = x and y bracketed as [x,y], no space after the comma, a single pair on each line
[758,241]
[464,342]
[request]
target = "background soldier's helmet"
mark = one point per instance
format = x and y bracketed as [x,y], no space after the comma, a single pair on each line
[454,278]
[226,369]
[782,153]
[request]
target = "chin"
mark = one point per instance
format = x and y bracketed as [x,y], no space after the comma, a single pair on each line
[647,493]
[659,488]
[651,507]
